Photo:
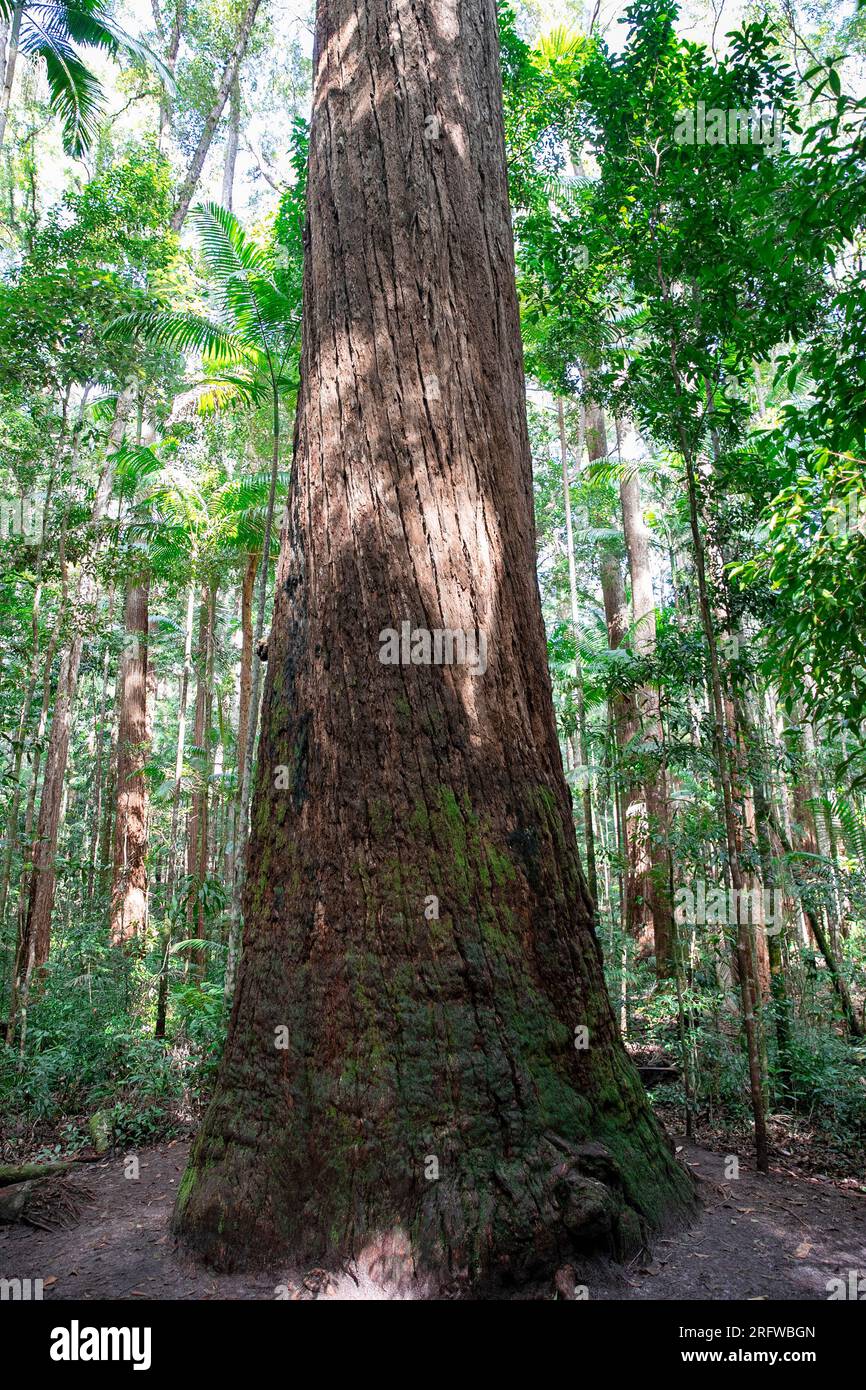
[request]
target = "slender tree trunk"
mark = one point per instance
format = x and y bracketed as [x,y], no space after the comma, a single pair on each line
[837,978]
[244,694]
[638,882]
[775,935]
[232,144]
[823,827]
[21,740]
[247,591]
[230,72]
[35,939]
[583,749]
[405,1080]
[246,780]
[206,818]
[181,739]
[655,787]
[154,879]
[196,847]
[170,58]
[722,738]
[99,772]
[637,900]
[129,884]
[165,943]
[11,51]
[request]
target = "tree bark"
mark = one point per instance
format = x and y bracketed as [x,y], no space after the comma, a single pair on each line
[401,1082]
[129,884]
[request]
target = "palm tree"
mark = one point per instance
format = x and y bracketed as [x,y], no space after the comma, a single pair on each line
[248,347]
[51,32]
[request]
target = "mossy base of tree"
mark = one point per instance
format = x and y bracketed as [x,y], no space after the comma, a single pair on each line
[489,1222]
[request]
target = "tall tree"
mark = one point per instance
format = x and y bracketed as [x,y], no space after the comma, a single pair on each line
[129,881]
[405,1078]
[186,192]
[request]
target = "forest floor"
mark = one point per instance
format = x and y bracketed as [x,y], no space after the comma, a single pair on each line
[780,1236]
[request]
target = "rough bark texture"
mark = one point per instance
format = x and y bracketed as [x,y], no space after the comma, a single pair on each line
[399,1086]
[129,881]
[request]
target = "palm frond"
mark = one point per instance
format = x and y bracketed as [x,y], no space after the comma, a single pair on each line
[226,248]
[185,332]
[74,94]
[559,44]
[50,29]
[609,470]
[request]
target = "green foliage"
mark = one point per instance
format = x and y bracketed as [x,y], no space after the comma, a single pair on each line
[51,33]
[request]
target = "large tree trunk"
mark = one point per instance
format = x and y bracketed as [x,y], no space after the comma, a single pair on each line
[405,1079]
[129,884]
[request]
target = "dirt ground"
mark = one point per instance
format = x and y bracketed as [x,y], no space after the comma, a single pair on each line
[782,1236]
